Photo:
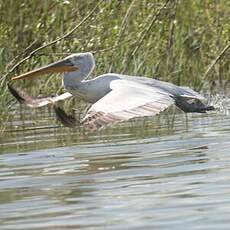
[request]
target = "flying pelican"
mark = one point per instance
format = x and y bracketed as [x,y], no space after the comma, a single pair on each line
[114,97]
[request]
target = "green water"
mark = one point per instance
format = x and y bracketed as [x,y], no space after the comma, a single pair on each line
[169,172]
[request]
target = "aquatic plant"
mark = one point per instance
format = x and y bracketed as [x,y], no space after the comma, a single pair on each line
[185,42]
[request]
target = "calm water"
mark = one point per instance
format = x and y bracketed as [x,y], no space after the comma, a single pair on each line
[164,173]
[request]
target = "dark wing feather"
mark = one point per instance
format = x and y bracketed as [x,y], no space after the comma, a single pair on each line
[35,102]
[65,119]
[192,105]
[20,95]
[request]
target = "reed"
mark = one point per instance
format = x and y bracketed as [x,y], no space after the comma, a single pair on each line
[173,40]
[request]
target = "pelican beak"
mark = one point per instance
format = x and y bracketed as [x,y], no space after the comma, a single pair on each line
[57,67]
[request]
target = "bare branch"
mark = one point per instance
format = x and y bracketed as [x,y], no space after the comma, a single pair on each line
[145,32]
[216,60]
[123,28]
[53,42]
[143,35]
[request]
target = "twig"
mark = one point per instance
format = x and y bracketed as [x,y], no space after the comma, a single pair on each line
[145,32]
[172,27]
[123,28]
[113,47]
[52,42]
[23,53]
[216,60]
[92,51]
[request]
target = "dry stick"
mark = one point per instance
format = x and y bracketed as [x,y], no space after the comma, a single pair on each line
[172,27]
[113,47]
[216,60]
[93,51]
[123,28]
[125,20]
[22,53]
[145,33]
[170,50]
[213,64]
[53,42]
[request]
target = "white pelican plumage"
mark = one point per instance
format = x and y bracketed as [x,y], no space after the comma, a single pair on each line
[114,97]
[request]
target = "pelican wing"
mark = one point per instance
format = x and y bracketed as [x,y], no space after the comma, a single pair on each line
[126,100]
[190,93]
[35,102]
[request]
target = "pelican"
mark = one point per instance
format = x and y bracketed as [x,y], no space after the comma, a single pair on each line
[114,97]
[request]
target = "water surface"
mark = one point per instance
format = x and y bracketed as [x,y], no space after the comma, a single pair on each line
[169,172]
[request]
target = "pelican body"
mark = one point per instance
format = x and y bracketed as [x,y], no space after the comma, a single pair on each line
[114,97]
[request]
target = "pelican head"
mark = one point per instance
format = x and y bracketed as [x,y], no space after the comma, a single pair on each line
[78,64]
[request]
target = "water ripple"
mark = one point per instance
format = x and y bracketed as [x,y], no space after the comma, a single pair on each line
[138,175]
